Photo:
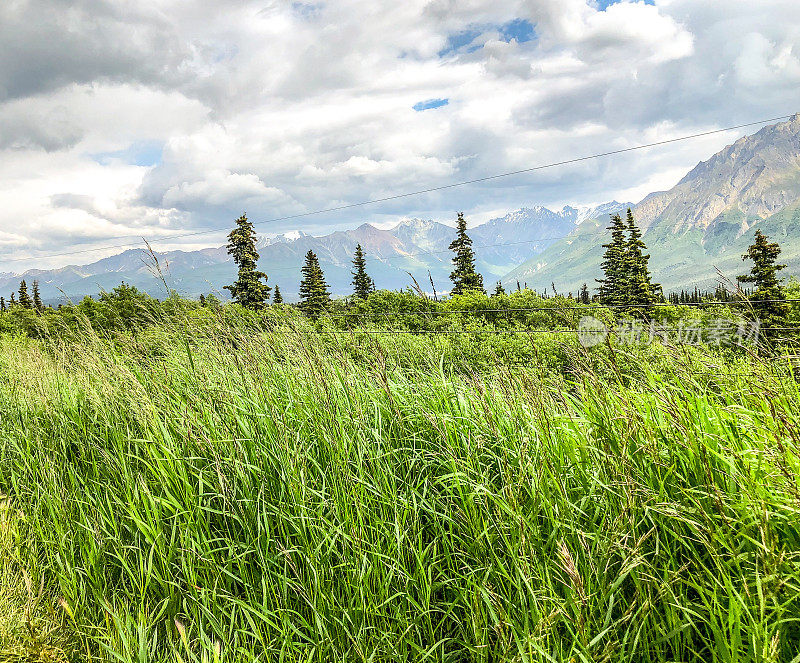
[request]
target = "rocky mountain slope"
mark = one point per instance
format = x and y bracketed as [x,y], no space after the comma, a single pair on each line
[699,228]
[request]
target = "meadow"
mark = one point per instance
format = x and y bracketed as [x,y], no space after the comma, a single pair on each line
[217,485]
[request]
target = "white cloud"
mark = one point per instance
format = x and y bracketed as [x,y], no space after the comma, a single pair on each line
[278,107]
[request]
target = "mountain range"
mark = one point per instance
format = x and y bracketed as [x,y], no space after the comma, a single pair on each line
[414,246]
[696,233]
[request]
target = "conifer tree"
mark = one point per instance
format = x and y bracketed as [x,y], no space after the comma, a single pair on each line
[639,289]
[37,299]
[277,298]
[24,298]
[13,301]
[363,285]
[464,276]
[314,295]
[2,304]
[614,285]
[248,290]
[583,294]
[202,299]
[763,275]
[499,289]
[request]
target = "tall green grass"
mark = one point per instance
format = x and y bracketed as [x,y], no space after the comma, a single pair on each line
[204,495]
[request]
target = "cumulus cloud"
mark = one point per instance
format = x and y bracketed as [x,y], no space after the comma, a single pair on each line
[50,129]
[276,107]
[45,44]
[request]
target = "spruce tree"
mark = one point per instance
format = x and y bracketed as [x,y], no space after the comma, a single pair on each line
[314,295]
[614,285]
[277,297]
[24,298]
[37,299]
[583,294]
[363,285]
[248,290]
[499,290]
[2,304]
[763,275]
[202,299]
[13,301]
[639,289]
[464,276]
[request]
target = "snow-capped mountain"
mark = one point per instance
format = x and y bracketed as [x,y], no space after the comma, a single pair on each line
[415,246]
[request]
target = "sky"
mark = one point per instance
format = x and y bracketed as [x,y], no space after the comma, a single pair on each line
[130,119]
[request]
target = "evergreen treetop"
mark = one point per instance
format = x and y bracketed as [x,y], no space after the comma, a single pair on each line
[464,276]
[613,287]
[24,297]
[314,295]
[499,290]
[763,274]
[37,299]
[640,290]
[248,290]
[277,298]
[363,285]
[626,272]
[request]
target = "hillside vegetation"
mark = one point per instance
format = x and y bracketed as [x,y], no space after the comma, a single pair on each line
[208,483]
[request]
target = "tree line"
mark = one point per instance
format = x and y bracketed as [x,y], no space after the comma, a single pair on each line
[25,300]
[251,290]
[626,282]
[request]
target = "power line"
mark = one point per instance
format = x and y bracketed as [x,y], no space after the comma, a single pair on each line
[443,187]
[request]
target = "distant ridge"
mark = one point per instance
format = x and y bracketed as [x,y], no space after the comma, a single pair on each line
[418,246]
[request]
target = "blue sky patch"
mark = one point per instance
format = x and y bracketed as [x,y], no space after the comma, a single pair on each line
[137,154]
[430,103]
[307,10]
[459,41]
[519,29]
[602,5]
